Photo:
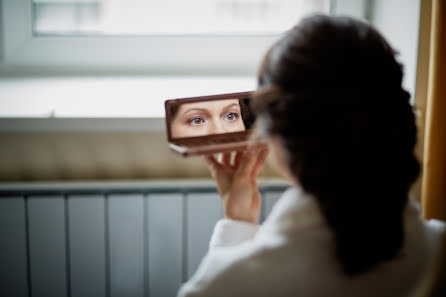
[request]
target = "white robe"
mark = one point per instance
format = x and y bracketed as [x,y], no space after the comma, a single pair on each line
[293,254]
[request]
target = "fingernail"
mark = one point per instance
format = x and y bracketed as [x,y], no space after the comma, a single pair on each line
[253,150]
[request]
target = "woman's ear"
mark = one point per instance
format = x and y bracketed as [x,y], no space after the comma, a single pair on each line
[280,158]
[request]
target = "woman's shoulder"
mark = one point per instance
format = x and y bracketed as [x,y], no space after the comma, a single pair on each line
[419,232]
[295,212]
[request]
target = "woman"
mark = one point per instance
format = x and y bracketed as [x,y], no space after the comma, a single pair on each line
[341,130]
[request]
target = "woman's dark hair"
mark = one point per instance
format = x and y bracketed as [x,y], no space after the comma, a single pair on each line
[331,90]
[172,109]
[248,116]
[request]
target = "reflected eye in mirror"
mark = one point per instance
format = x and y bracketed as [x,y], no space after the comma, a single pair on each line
[231,116]
[210,124]
[192,117]
[195,121]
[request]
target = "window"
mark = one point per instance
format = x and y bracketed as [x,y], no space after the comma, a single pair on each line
[102,36]
[115,96]
[170,17]
[122,58]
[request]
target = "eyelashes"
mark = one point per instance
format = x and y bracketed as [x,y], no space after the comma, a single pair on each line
[200,120]
[196,121]
[231,116]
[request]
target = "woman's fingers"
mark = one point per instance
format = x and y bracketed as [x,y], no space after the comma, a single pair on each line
[248,161]
[238,159]
[232,173]
[212,162]
[226,159]
[260,161]
[214,165]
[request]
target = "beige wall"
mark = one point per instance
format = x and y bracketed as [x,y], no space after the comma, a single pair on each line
[29,156]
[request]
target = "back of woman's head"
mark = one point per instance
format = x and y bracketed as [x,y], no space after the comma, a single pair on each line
[331,90]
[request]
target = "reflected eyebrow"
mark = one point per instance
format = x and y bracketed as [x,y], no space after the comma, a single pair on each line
[195,110]
[231,105]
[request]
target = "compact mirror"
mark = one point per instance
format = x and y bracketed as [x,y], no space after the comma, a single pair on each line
[210,123]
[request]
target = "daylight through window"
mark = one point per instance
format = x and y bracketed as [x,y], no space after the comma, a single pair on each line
[170,17]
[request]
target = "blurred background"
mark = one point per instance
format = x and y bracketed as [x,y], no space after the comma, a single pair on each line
[82,82]
[92,202]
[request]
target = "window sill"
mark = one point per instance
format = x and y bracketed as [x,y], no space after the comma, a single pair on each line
[82,125]
[101,103]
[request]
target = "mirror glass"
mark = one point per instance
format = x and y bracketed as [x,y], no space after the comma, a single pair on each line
[192,118]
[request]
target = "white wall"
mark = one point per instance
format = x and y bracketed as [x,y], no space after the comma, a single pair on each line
[398,21]
[108,96]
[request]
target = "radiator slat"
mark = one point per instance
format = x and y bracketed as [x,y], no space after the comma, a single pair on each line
[47,246]
[269,199]
[126,245]
[165,235]
[13,275]
[87,245]
[203,211]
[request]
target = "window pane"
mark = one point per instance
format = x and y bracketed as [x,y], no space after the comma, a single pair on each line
[171,17]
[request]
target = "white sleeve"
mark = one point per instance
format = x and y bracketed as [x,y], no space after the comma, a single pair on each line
[229,244]
[231,232]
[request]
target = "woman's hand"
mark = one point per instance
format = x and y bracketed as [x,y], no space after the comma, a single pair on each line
[237,182]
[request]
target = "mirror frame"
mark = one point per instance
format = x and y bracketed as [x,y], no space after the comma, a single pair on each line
[228,96]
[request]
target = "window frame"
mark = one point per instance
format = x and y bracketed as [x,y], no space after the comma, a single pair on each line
[21,51]
[200,54]
[24,55]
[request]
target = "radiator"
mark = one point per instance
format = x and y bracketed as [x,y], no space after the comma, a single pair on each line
[129,239]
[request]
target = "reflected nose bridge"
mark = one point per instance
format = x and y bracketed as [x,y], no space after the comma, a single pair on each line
[217,125]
